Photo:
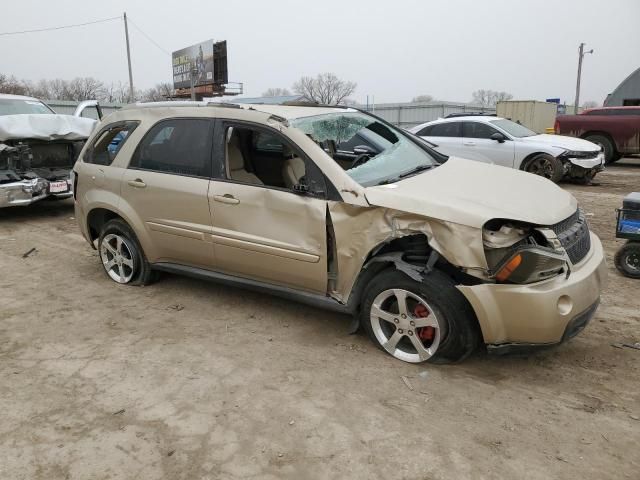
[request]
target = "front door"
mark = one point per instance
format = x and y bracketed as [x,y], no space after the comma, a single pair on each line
[478,145]
[268,209]
[166,188]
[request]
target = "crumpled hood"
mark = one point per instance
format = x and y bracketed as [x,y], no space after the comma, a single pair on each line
[45,127]
[471,193]
[570,143]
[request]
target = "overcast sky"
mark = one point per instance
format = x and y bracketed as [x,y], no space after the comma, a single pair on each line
[393,50]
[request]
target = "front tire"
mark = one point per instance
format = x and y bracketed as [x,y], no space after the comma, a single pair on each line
[610,154]
[122,256]
[546,166]
[627,259]
[428,321]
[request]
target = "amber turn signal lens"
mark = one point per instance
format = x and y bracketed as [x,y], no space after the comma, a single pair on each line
[506,271]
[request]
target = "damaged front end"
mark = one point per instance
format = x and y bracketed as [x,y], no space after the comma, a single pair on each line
[37,153]
[32,171]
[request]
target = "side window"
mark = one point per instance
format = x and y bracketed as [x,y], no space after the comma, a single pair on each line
[109,142]
[626,111]
[446,129]
[181,146]
[477,130]
[265,142]
[426,131]
[257,156]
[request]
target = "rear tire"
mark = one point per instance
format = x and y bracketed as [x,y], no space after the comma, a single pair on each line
[419,321]
[546,166]
[122,256]
[610,154]
[627,259]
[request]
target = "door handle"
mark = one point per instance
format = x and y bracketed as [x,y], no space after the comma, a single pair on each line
[226,198]
[470,144]
[137,183]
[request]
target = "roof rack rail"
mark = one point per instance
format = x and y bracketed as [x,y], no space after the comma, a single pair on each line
[471,114]
[298,103]
[180,103]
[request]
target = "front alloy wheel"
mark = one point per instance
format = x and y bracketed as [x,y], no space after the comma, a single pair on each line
[405,325]
[546,166]
[117,258]
[419,321]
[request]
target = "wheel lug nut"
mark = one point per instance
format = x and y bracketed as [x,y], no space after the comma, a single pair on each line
[400,330]
[403,316]
[410,332]
[396,320]
[413,324]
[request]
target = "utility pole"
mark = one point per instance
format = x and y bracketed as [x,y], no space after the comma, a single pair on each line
[192,74]
[126,35]
[581,55]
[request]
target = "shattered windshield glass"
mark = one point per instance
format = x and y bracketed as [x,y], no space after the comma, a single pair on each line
[390,155]
[10,106]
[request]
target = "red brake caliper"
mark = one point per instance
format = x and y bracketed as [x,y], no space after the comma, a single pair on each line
[425,334]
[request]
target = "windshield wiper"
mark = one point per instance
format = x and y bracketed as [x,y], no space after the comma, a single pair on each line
[418,169]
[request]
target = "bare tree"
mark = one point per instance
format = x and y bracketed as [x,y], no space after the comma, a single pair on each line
[84,88]
[161,92]
[422,98]
[489,98]
[12,85]
[276,92]
[590,104]
[326,88]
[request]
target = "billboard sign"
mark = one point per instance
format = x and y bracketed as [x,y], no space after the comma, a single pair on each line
[197,60]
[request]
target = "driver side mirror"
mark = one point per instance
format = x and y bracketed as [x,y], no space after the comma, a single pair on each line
[364,150]
[498,137]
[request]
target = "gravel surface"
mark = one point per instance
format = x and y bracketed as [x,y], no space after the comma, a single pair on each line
[191,380]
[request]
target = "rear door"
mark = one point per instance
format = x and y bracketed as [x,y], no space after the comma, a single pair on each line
[165,187]
[478,145]
[447,135]
[263,228]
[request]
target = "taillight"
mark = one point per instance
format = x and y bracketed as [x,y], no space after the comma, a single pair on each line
[556,127]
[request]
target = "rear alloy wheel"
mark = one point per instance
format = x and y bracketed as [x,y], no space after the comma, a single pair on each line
[122,256]
[117,259]
[419,321]
[546,166]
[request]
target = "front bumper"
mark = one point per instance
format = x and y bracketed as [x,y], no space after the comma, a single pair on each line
[543,313]
[588,163]
[26,192]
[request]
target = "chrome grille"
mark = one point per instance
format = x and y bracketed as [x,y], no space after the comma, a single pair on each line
[574,237]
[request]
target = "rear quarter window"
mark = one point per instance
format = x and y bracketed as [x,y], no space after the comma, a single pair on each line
[447,129]
[108,143]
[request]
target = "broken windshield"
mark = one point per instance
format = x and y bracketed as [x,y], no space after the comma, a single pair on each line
[389,155]
[10,106]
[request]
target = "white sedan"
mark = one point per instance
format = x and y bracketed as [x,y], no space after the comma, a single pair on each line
[496,140]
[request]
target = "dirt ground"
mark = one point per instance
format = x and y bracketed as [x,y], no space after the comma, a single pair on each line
[191,380]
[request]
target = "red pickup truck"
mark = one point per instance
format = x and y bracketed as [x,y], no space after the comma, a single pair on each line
[615,129]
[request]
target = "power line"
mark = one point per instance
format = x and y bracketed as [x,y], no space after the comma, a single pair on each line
[147,36]
[2,34]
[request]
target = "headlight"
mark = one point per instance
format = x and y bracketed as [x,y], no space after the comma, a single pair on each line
[530,264]
[518,253]
[576,154]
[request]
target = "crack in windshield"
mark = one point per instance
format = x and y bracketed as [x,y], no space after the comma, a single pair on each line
[391,156]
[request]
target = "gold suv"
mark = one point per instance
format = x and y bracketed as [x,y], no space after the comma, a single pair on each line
[432,256]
